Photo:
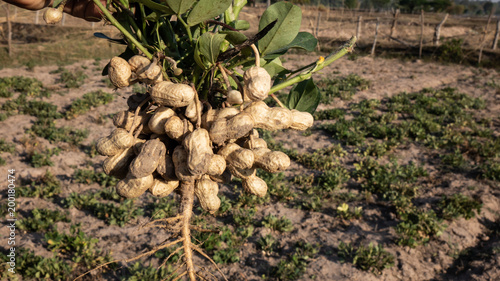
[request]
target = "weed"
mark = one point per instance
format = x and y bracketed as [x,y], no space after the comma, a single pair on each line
[77,246]
[225,244]
[293,267]
[40,159]
[166,207]
[41,220]
[244,217]
[7,146]
[368,258]
[455,160]
[277,224]
[459,205]
[25,85]
[40,109]
[451,51]
[89,100]
[491,170]
[346,213]
[139,272]
[36,267]
[48,130]
[45,187]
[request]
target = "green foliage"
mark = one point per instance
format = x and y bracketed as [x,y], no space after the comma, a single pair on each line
[329,114]
[41,220]
[166,207]
[225,244]
[304,96]
[277,224]
[368,258]
[6,146]
[451,51]
[342,87]
[40,109]
[418,227]
[268,243]
[243,216]
[47,129]
[25,85]
[45,187]
[36,267]
[491,170]
[86,102]
[139,272]
[40,159]
[81,248]
[459,205]
[294,266]
[346,213]
[111,213]
[91,176]
[73,79]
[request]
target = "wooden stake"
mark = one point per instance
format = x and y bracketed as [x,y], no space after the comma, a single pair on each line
[36,16]
[9,29]
[375,39]
[393,25]
[421,33]
[481,46]
[497,33]
[437,31]
[358,28]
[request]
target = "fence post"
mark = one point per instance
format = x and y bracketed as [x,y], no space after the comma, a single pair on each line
[421,33]
[393,26]
[9,29]
[481,46]
[437,31]
[36,16]
[358,28]
[497,33]
[375,39]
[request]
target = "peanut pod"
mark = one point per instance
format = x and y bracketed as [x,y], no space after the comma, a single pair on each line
[146,162]
[206,190]
[177,129]
[157,122]
[172,95]
[257,83]
[119,72]
[271,161]
[132,187]
[236,156]
[117,165]
[271,119]
[199,149]
[180,158]
[234,128]
[166,168]
[255,185]
[301,120]
[162,188]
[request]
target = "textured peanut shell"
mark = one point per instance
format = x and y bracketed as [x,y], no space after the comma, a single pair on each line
[255,185]
[192,109]
[148,159]
[121,138]
[255,143]
[271,161]
[177,129]
[125,120]
[241,173]
[157,122]
[179,157]
[106,147]
[234,128]
[301,120]
[217,165]
[118,164]
[227,113]
[52,16]
[173,95]
[119,72]
[208,118]
[271,119]
[206,190]
[242,158]
[138,63]
[234,97]
[162,188]
[166,168]
[199,149]
[257,83]
[225,177]
[131,187]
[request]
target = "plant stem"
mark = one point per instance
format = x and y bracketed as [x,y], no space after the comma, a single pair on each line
[188,29]
[129,36]
[154,6]
[187,190]
[346,48]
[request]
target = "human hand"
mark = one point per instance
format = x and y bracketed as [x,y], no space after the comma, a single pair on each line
[85,9]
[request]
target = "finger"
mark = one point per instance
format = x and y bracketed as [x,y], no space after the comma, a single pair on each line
[84,9]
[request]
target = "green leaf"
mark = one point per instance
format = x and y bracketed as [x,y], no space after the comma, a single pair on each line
[234,37]
[286,29]
[240,24]
[180,6]
[207,9]
[275,67]
[209,45]
[303,40]
[304,96]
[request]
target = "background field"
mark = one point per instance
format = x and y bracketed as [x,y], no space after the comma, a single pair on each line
[397,180]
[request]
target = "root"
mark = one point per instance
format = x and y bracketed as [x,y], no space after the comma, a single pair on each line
[200,251]
[187,189]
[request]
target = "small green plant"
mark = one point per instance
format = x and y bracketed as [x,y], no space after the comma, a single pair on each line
[47,186]
[293,267]
[42,220]
[91,176]
[243,216]
[491,170]
[40,159]
[268,243]
[342,87]
[31,266]
[277,224]
[47,129]
[70,79]
[418,227]
[329,114]
[25,85]
[459,205]
[347,213]
[369,258]
[86,102]
[78,246]
[451,51]
[7,146]
[139,272]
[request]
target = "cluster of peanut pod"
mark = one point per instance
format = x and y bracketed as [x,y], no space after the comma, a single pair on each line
[169,136]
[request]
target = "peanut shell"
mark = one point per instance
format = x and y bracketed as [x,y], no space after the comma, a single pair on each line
[148,159]
[206,190]
[301,120]
[255,185]
[166,168]
[271,161]
[177,129]
[118,164]
[52,16]
[257,83]
[132,187]
[119,72]
[180,157]
[199,149]
[234,128]
[161,188]
[157,122]
[138,63]
[172,95]
[217,165]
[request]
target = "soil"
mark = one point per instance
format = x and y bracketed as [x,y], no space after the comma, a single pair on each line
[458,254]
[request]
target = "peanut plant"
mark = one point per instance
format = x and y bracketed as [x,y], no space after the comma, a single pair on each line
[196,124]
